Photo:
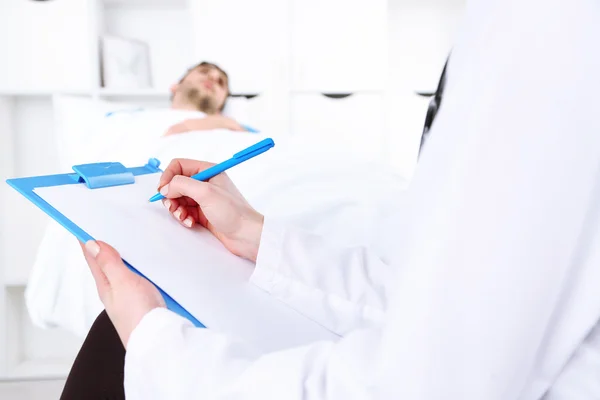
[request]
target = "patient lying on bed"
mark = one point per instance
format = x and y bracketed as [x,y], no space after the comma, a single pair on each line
[203,89]
[199,106]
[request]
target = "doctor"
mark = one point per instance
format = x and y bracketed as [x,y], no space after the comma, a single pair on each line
[497,284]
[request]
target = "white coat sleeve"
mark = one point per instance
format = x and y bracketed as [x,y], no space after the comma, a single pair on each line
[340,288]
[168,358]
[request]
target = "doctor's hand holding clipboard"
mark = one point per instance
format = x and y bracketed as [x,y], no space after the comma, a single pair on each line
[216,205]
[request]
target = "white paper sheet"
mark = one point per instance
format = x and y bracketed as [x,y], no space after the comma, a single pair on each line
[191,266]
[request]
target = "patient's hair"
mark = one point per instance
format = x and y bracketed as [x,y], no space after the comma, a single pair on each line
[208,64]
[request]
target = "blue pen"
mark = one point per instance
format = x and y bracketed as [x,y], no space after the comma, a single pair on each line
[237,158]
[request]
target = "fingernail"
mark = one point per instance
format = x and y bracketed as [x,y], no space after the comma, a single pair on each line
[164,190]
[177,214]
[167,204]
[188,222]
[92,247]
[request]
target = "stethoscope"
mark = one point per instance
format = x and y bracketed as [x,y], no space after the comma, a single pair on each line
[434,106]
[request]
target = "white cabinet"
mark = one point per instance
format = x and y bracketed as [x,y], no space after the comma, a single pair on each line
[338,45]
[44,35]
[354,123]
[248,39]
[339,73]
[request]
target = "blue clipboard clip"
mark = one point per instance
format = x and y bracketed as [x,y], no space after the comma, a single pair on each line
[106,174]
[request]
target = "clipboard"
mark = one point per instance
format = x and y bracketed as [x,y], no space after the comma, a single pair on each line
[204,283]
[95,175]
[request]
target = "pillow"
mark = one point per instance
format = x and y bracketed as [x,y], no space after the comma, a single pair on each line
[237,108]
[263,113]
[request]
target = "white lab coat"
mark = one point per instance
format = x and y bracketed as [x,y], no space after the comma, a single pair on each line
[496,281]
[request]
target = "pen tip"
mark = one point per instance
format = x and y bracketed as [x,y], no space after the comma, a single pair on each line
[156,197]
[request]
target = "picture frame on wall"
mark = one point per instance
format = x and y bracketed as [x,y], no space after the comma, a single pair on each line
[125,63]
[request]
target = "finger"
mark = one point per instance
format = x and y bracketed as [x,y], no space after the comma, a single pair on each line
[182,166]
[109,261]
[185,215]
[102,283]
[187,202]
[180,213]
[189,221]
[171,204]
[198,216]
[192,212]
[203,193]
[192,215]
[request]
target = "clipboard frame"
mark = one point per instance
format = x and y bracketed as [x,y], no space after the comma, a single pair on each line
[110,174]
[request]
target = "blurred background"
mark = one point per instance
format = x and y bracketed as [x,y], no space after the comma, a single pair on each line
[351,71]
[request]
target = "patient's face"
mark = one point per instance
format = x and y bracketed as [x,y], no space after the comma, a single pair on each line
[205,87]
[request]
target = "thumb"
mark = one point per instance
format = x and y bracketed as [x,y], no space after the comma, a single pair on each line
[201,192]
[109,261]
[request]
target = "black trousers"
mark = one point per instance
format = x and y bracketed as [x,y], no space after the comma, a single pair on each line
[97,373]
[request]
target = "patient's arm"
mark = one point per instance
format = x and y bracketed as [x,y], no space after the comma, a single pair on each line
[202,124]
